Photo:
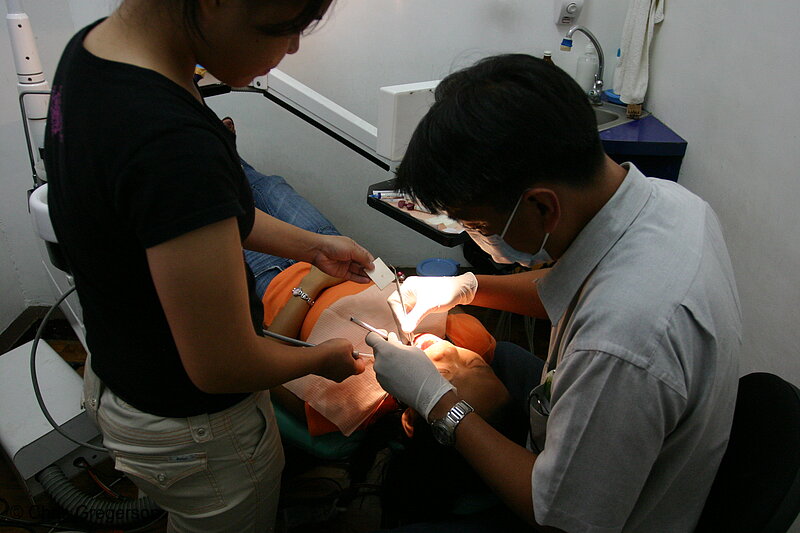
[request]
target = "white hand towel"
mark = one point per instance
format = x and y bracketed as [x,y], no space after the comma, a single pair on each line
[631,75]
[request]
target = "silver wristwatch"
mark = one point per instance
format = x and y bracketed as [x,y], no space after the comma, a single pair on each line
[297,291]
[444,429]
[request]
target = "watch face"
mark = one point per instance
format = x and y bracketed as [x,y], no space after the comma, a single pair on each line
[441,434]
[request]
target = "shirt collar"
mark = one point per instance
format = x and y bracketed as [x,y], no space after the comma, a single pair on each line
[565,279]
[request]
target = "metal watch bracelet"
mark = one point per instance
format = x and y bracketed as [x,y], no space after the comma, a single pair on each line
[444,428]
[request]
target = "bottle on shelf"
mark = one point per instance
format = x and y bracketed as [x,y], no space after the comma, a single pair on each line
[611,95]
[617,63]
[587,68]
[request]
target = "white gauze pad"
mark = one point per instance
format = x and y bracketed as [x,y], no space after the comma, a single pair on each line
[381,274]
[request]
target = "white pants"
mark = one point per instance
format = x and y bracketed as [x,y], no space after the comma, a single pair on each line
[212,473]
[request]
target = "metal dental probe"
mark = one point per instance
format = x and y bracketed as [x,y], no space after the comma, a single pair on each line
[373,329]
[402,304]
[305,344]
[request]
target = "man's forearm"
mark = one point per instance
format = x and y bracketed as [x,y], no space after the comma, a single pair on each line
[504,465]
[516,293]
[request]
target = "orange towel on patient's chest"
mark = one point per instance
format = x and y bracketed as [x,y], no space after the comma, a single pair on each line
[462,330]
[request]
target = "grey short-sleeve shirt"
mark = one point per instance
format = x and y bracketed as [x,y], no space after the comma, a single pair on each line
[646,335]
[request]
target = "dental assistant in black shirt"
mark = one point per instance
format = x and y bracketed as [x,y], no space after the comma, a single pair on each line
[152,210]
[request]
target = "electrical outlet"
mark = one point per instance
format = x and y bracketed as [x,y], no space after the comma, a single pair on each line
[568,11]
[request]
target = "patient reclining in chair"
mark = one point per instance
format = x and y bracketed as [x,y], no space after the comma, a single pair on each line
[359,400]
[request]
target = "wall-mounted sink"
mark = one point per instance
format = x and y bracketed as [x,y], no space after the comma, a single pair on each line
[610,115]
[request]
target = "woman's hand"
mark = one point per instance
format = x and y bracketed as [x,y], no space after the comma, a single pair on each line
[342,257]
[337,362]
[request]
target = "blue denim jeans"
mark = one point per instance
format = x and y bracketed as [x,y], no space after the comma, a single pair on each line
[277,198]
[519,370]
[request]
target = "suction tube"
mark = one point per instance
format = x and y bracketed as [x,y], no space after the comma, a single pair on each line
[95,510]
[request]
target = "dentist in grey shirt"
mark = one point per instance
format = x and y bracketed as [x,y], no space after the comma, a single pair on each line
[630,415]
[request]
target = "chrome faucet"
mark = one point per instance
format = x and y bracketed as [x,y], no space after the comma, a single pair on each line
[597,88]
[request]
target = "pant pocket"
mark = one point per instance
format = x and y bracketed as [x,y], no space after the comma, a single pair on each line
[92,389]
[177,483]
[257,438]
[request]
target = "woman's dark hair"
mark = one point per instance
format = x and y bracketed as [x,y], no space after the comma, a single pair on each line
[496,128]
[311,13]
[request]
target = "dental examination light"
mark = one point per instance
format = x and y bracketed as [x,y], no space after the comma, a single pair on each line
[400,108]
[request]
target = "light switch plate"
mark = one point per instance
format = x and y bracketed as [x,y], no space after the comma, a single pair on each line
[568,11]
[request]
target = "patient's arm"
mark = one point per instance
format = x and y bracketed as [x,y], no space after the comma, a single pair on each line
[288,322]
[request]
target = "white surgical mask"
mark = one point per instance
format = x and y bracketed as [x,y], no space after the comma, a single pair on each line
[504,253]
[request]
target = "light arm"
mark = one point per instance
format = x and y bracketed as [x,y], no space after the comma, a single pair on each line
[289,321]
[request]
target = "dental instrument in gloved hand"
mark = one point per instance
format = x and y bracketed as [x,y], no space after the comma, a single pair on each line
[305,344]
[367,327]
[407,334]
[406,373]
[428,295]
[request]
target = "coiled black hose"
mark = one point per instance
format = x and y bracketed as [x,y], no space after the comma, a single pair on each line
[98,511]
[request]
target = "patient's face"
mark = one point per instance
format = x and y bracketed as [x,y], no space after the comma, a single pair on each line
[467,371]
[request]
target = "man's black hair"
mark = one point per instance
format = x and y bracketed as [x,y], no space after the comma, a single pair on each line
[497,127]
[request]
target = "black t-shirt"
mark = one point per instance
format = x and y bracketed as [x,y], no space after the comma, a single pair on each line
[134,160]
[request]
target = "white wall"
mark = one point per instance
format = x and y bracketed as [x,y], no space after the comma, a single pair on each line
[726,79]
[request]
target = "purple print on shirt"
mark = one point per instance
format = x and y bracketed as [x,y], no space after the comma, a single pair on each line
[56,120]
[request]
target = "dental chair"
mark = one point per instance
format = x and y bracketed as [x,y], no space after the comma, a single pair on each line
[330,446]
[757,487]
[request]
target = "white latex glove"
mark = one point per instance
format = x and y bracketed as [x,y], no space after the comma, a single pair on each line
[406,373]
[425,295]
